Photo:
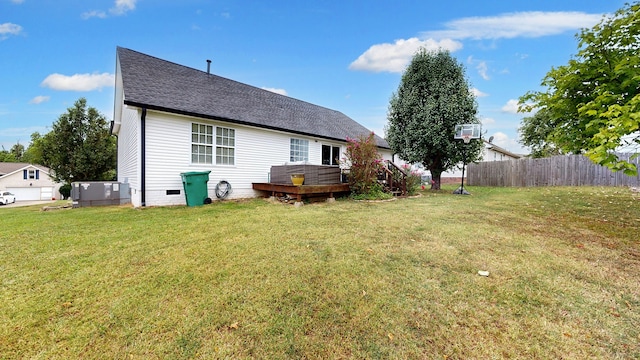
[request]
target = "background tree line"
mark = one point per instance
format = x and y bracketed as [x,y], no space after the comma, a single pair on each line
[79,147]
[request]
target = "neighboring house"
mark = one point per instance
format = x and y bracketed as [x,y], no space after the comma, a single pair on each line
[28,182]
[490,152]
[494,152]
[171,119]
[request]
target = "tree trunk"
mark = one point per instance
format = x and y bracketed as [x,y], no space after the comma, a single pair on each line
[435,179]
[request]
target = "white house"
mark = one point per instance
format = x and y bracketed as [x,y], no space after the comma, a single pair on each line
[490,152]
[28,181]
[493,152]
[171,119]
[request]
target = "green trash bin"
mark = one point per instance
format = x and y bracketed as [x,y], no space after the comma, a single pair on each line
[195,187]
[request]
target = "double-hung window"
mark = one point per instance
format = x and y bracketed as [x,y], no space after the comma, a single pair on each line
[225,146]
[299,150]
[203,145]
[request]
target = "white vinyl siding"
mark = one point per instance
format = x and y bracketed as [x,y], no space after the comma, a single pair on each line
[168,154]
[129,151]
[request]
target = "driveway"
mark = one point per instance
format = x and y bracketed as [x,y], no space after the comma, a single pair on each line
[26,203]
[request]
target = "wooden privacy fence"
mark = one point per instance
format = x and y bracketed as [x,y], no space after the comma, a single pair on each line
[569,170]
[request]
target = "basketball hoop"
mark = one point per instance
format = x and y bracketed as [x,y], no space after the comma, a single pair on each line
[465,132]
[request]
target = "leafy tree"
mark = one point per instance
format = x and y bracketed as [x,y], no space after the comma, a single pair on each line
[593,102]
[79,147]
[534,133]
[18,151]
[33,154]
[432,98]
[7,156]
[15,154]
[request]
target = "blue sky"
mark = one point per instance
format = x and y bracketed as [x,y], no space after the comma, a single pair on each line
[344,55]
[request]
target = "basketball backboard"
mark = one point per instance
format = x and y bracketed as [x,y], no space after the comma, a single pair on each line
[467,130]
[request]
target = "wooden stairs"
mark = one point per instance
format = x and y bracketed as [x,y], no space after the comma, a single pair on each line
[393,179]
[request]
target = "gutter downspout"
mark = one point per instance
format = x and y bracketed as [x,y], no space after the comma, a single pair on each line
[116,136]
[143,158]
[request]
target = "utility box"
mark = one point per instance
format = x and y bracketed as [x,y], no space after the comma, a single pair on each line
[195,187]
[98,193]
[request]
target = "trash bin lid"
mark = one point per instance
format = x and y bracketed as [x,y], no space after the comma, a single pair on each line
[188,173]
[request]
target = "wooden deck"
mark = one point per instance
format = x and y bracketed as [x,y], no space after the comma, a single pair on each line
[303,190]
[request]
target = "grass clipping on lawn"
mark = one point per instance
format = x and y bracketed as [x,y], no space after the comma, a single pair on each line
[392,280]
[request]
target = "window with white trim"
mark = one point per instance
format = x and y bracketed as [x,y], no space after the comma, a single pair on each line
[299,150]
[202,144]
[225,146]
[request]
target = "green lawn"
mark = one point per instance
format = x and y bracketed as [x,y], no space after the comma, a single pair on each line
[363,280]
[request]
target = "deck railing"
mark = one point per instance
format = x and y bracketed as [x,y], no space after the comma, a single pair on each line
[394,179]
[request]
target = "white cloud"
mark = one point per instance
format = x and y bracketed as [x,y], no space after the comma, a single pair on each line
[277,91]
[487,121]
[501,139]
[7,29]
[119,8]
[123,6]
[395,57]
[511,107]
[39,99]
[477,93]
[512,25]
[79,82]
[510,144]
[94,13]
[17,1]
[482,69]
[481,66]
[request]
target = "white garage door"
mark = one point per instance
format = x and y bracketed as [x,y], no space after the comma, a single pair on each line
[22,194]
[46,193]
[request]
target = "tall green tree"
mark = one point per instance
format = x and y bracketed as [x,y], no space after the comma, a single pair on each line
[80,147]
[433,97]
[7,156]
[534,131]
[33,154]
[18,151]
[593,102]
[15,154]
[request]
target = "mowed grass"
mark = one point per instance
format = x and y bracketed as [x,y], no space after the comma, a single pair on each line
[343,280]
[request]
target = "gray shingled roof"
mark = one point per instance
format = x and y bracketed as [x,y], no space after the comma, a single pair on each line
[10,167]
[162,85]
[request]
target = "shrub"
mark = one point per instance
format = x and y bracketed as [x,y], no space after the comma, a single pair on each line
[414,179]
[65,191]
[364,164]
[375,193]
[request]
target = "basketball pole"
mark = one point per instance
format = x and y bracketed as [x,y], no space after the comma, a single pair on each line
[461,190]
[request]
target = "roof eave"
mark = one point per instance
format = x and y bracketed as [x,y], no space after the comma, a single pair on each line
[233,121]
